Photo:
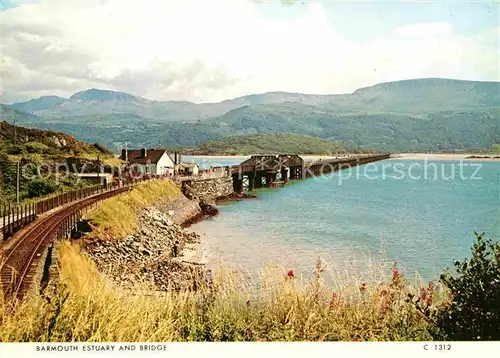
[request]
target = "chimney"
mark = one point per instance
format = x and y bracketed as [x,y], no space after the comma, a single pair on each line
[144,152]
[124,155]
[175,158]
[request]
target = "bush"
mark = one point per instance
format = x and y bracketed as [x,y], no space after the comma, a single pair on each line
[16,150]
[474,310]
[36,148]
[39,187]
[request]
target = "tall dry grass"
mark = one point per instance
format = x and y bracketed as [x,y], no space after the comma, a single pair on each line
[88,307]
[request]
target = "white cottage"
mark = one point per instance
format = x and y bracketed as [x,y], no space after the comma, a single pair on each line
[151,161]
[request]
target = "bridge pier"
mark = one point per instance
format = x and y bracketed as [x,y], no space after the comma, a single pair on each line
[284,174]
[251,181]
[237,183]
[269,179]
[259,179]
[296,173]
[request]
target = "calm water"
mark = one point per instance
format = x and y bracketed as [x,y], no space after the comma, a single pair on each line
[420,217]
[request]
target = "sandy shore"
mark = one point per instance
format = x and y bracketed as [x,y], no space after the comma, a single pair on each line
[442,156]
[242,157]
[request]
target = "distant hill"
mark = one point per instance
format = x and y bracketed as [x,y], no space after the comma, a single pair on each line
[39,104]
[431,114]
[266,143]
[408,96]
[94,102]
[429,95]
[440,131]
[7,114]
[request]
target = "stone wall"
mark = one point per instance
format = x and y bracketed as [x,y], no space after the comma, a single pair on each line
[214,188]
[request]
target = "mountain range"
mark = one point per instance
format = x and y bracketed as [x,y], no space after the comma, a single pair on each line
[430,114]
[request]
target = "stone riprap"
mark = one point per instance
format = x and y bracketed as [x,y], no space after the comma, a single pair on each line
[148,256]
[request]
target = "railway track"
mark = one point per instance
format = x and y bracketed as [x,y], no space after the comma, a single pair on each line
[22,259]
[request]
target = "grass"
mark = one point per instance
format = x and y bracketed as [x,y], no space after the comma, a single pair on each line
[88,307]
[117,217]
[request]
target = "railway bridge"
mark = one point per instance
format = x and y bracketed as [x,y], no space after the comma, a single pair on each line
[261,171]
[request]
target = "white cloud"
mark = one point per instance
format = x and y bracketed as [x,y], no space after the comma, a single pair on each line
[212,50]
[431,29]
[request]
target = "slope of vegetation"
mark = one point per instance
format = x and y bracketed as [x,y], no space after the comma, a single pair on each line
[17,140]
[38,154]
[265,143]
[118,216]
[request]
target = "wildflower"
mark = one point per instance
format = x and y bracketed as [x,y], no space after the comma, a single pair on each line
[384,292]
[333,302]
[290,274]
[395,273]
[431,285]
[423,293]
[426,295]
[362,288]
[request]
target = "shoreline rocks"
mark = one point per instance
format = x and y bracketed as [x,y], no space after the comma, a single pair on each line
[153,257]
[236,197]
[482,157]
[149,257]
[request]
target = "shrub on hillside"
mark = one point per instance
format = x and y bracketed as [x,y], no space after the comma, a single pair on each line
[474,310]
[16,149]
[40,187]
[36,148]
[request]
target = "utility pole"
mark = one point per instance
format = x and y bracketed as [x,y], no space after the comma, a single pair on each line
[99,169]
[17,171]
[17,184]
[15,130]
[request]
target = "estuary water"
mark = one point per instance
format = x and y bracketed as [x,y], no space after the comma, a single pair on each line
[421,214]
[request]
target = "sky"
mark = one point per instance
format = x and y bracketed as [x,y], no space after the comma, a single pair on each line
[211,50]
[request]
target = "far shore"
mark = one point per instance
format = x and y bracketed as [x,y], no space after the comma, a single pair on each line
[408,156]
[445,156]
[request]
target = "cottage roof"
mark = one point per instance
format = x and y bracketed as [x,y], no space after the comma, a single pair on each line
[152,156]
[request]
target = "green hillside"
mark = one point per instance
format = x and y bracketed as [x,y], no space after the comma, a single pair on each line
[23,142]
[265,143]
[38,153]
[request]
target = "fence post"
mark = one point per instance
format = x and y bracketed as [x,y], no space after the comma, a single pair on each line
[11,222]
[4,222]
